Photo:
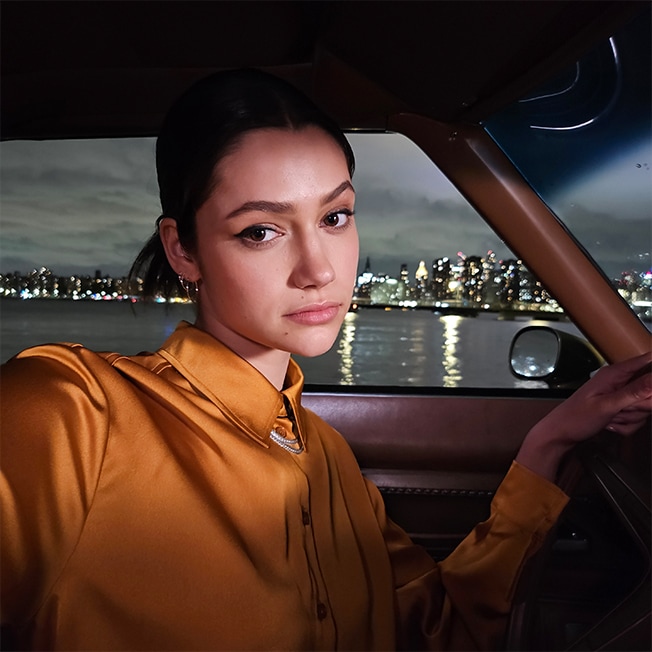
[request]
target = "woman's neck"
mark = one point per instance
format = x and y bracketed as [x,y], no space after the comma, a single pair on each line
[272,363]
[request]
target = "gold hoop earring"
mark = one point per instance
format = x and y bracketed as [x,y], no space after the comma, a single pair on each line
[191,288]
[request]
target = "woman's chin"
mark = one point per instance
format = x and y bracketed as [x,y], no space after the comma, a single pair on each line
[314,347]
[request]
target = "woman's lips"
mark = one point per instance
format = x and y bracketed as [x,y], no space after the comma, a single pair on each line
[315,314]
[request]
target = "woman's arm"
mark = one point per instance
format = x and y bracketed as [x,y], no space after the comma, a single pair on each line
[618,398]
[464,602]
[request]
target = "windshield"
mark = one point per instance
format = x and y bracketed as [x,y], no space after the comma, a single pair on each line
[584,142]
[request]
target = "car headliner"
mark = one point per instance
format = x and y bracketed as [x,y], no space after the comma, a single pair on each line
[110,69]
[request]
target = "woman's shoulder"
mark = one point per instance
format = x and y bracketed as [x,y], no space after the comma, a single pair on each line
[71,356]
[49,376]
[46,361]
[64,396]
[47,372]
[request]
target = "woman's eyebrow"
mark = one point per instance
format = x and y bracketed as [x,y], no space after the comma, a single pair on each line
[264,206]
[261,205]
[345,185]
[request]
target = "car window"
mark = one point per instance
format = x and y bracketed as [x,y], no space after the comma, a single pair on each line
[584,142]
[438,299]
[439,295]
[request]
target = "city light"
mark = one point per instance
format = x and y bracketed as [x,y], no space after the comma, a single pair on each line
[470,285]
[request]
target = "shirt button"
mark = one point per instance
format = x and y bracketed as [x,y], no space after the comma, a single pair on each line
[280,430]
[322,611]
[305,516]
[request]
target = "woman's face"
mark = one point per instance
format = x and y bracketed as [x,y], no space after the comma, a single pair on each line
[277,246]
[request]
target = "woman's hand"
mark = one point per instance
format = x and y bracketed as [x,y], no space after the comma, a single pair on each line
[618,398]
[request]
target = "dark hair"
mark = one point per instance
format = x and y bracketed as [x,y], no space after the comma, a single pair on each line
[204,125]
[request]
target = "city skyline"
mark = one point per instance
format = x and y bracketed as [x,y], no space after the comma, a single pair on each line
[467,283]
[471,282]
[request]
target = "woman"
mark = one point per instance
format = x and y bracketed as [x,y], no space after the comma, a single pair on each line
[184,499]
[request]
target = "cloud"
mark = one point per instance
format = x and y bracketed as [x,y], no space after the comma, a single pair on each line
[397,227]
[72,205]
[595,230]
[83,205]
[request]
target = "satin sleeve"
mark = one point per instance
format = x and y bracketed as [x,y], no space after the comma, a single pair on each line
[464,601]
[54,434]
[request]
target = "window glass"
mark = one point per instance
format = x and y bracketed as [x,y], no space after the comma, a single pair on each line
[584,142]
[439,296]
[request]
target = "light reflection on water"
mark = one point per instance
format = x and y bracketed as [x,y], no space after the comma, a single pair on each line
[452,372]
[417,355]
[375,347]
[345,349]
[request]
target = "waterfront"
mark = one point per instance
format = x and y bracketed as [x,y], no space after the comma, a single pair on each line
[375,347]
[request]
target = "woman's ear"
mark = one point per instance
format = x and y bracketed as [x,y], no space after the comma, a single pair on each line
[182,262]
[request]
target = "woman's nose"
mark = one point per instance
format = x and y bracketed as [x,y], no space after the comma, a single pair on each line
[312,265]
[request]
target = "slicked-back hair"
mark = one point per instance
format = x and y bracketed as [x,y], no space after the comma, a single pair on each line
[203,126]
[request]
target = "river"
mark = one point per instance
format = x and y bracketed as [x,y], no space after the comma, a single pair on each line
[375,347]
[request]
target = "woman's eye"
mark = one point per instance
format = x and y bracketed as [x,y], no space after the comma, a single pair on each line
[258,234]
[338,219]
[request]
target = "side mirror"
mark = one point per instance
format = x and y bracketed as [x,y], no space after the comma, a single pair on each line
[556,357]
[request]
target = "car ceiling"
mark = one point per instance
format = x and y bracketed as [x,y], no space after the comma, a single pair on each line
[110,69]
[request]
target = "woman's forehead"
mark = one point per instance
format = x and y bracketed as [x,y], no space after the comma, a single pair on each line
[283,158]
[275,140]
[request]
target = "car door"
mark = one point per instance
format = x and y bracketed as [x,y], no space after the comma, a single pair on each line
[438,453]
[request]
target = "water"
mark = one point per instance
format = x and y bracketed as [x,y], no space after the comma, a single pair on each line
[375,347]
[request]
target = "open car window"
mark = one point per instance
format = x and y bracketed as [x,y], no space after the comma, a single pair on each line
[438,299]
[439,296]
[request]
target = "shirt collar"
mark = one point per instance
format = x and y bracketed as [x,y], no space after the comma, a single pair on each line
[237,388]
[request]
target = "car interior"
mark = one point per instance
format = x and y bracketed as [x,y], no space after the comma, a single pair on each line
[434,72]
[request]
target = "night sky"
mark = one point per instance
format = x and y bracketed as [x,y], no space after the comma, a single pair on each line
[78,206]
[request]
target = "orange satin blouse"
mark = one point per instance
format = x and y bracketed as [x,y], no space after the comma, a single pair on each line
[145,507]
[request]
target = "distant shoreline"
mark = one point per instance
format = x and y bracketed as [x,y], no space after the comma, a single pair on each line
[462,311]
